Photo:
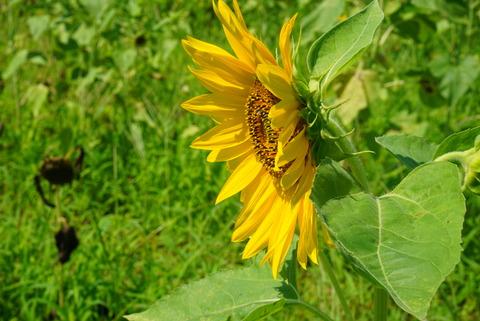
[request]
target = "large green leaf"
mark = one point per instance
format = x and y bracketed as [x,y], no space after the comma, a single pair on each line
[331,181]
[336,48]
[407,240]
[411,150]
[458,141]
[249,293]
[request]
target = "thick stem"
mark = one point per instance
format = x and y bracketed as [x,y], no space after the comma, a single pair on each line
[347,146]
[359,173]
[331,275]
[381,304]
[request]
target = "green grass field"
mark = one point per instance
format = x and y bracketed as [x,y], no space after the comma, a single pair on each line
[110,76]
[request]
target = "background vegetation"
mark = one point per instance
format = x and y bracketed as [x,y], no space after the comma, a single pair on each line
[110,76]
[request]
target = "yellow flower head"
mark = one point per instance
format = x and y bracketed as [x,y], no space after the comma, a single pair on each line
[261,136]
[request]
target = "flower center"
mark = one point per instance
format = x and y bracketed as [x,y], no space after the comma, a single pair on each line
[264,138]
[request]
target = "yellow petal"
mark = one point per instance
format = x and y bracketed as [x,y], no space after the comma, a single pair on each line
[312,248]
[326,236]
[259,208]
[276,80]
[193,45]
[293,173]
[262,54]
[240,178]
[251,225]
[284,113]
[252,196]
[249,194]
[307,242]
[281,253]
[238,13]
[305,183]
[216,105]
[225,135]
[260,237]
[297,147]
[303,224]
[234,32]
[283,139]
[229,153]
[259,240]
[285,45]
[219,61]
[286,133]
[247,48]
[281,238]
[217,84]
[233,163]
[283,108]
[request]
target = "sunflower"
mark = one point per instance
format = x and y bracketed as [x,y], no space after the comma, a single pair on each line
[261,136]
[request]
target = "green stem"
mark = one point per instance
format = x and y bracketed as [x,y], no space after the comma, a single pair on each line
[310,307]
[331,275]
[381,304]
[61,221]
[347,146]
[359,173]
[292,270]
[453,157]
[61,296]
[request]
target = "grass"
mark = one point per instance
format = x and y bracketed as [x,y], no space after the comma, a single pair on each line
[110,76]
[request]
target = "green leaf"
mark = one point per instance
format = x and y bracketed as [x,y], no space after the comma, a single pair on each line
[354,98]
[289,273]
[95,8]
[460,141]
[17,61]
[134,8]
[331,181]
[61,33]
[408,122]
[136,137]
[321,19]
[407,240]
[125,59]
[411,150]
[38,25]
[459,79]
[84,35]
[36,97]
[232,295]
[335,49]
[434,5]
[265,311]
